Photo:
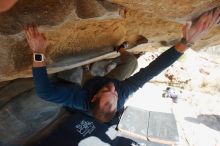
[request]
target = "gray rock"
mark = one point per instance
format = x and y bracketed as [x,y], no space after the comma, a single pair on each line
[134,121]
[23,117]
[74,75]
[13,89]
[162,128]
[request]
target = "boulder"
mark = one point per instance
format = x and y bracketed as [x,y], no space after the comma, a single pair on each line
[85,28]
[25,116]
[14,88]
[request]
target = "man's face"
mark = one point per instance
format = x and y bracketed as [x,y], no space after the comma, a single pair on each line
[108,97]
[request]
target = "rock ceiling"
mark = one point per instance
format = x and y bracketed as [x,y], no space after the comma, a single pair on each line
[82,29]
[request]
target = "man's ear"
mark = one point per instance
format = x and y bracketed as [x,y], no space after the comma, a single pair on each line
[94,98]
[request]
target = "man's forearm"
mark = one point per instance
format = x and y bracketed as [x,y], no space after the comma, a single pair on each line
[39,64]
[154,68]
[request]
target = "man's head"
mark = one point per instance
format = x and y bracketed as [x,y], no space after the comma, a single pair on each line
[104,103]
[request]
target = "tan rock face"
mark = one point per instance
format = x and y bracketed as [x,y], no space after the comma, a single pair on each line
[82,28]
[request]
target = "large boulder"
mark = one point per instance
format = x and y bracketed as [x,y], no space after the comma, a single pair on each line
[79,30]
[25,116]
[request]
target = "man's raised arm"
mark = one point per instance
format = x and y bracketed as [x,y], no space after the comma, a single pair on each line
[191,33]
[70,95]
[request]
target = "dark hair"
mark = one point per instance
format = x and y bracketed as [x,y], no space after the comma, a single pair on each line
[100,114]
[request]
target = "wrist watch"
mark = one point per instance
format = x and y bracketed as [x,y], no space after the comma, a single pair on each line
[185,42]
[38,57]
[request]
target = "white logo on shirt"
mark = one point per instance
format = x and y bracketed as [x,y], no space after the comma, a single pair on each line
[85,127]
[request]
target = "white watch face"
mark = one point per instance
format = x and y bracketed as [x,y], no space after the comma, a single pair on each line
[38,57]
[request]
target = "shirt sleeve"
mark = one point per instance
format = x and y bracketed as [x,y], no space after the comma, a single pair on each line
[136,81]
[71,95]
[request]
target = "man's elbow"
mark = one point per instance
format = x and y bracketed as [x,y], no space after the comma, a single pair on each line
[43,95]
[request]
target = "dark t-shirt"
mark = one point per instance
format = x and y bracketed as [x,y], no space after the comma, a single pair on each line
[82,130]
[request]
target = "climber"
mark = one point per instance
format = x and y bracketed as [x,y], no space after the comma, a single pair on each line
[103,97]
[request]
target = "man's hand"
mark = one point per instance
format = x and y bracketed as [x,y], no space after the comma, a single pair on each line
[194,31]
[36,40]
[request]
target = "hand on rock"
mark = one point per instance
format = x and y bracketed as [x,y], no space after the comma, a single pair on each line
[36,40]
[194,31]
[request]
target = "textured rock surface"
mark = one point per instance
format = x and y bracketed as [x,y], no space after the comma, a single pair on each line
[23,117]
[80,32]
[13,89]
[80,27]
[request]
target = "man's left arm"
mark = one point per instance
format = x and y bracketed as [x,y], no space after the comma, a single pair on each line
[191,33]
[163,61]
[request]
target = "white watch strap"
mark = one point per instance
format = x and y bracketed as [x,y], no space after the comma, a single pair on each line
[42,57]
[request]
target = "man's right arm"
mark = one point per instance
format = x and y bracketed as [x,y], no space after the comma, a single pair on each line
[71,95]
